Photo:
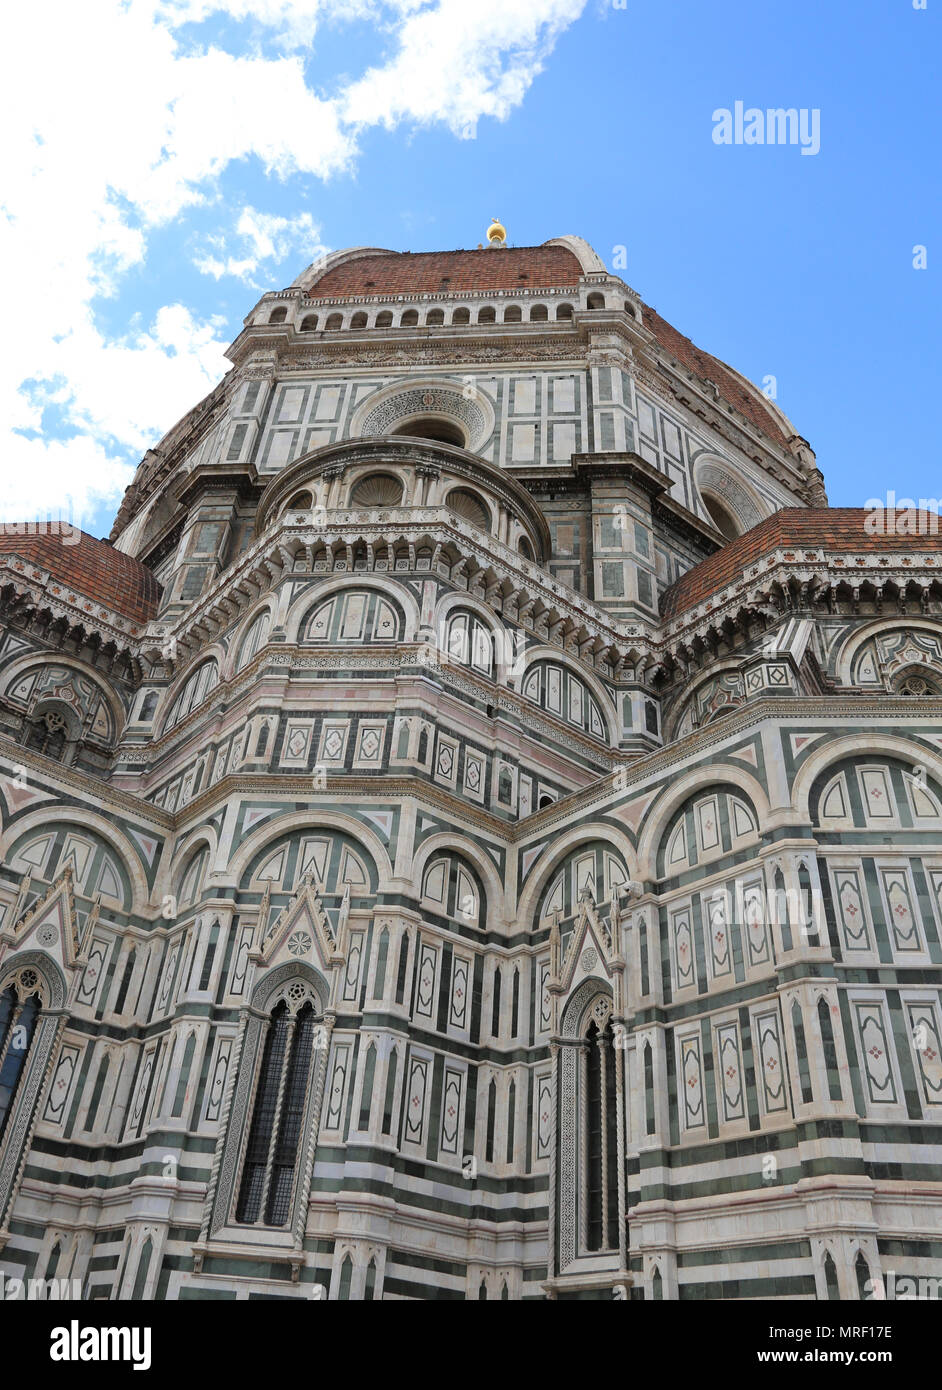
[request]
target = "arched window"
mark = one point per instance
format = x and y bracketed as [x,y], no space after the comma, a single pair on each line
[722,518]
[301,501]
[50,729]
[595,301]
[539,313]
[915,685]
[309,323]
[487,315]
[254,639]
[384,319]
[19,1010]
[564,311]
[196,687]
[513,314]
[270,1169]
[148,705]
[410,319]
[601,1138]
[278,315]
[469,642]
[435,318]
[433,427]
[358,321]
[461,316]
[524,548]
[334,321]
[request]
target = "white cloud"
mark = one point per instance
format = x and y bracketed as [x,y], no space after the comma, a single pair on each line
[260,237]
[123,122]
[459,61]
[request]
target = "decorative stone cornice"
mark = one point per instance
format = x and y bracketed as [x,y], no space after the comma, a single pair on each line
[842,712]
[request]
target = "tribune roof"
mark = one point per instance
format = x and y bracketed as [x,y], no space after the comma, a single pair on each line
[838,529]
[91,567]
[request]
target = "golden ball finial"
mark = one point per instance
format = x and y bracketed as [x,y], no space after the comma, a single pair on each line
[496,234]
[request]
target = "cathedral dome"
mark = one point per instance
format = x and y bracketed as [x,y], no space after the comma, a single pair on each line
[437,272]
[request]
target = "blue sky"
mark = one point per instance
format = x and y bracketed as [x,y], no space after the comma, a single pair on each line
[181,156]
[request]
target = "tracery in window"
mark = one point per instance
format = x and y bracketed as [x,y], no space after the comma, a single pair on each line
[271,1164]
[916,686]
[601,1133]
[19,1010]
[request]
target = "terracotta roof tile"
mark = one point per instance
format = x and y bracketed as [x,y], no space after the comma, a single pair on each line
[708,368]
[839,529]
[432,272]
[91,567]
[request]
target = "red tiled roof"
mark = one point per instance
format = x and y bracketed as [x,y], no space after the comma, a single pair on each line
[709,368]
[91,567]
[450,272]
[839,529]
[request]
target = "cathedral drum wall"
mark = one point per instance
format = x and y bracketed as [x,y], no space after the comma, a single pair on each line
[477,831]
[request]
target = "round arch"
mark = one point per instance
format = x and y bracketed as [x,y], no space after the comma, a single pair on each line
[358,471]
[214,652]
[495,627]
[23,663]
[658,818]
[384,410]
[485,868]
[313,596]
[178,859]
[128,853]
[849,650]
[227,668]
[563,846]
[715,476]
[54,986]
[321,819]
[679,710]
[854,745]
[602,695]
